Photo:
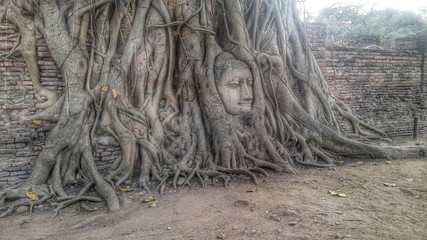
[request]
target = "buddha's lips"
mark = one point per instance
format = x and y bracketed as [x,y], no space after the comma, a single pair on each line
[246,101]
[245,104]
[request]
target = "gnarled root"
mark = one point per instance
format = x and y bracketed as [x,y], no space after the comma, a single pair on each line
[14,193]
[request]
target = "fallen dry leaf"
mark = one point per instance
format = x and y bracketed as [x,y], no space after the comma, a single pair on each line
[339,163]
[337,193]
[148,199]
[127,189]
[32,196]
[153,204]
[339,236]
[390,184]
[220,235]
[104,89]
[115,92]
[37,122]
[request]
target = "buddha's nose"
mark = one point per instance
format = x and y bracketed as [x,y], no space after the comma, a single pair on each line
[246,92]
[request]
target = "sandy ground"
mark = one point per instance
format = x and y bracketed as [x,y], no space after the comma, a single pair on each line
[280,207]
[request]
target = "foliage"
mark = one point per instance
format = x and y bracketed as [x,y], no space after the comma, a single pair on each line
[349,20]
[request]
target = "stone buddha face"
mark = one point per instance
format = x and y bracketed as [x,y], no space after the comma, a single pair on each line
[234,83]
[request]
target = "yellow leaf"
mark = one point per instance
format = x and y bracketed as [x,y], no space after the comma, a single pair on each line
[32,196]
[220,235]
[153,204]
[337,193]
[148,199]
[127,189]
[37,122]
[340,163]
[104,89]
[115,92]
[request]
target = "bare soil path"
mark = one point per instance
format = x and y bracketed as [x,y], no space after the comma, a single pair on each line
[384,200]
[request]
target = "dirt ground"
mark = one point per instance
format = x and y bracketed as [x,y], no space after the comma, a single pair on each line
[384,200]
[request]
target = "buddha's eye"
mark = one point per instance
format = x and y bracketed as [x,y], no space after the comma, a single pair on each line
[234,83]
[250,82]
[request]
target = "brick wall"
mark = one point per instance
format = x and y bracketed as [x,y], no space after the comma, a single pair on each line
[316,33]
[364,41]
[417,43]
[385,88]
[20,140]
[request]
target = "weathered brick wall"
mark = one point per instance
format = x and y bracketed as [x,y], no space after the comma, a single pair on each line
[365,41]
[316,33]
[107,152]
[417,43]
[21,140]
[385,88]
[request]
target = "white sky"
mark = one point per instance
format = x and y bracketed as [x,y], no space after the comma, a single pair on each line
[414,5]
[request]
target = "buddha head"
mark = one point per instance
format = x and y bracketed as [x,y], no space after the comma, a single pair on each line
[234,82]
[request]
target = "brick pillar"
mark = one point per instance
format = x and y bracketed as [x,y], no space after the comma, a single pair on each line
[423,86]
[316,33]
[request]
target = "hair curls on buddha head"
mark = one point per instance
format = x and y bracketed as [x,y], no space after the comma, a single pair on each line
[225,61]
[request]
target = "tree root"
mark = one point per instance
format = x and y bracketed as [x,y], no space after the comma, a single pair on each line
[310,164]
[68,202]
[31,204]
